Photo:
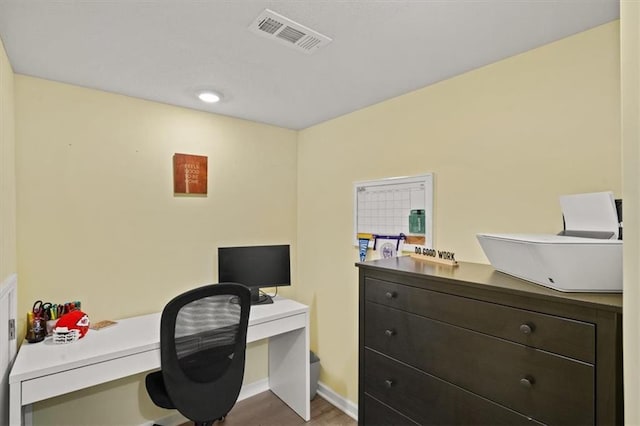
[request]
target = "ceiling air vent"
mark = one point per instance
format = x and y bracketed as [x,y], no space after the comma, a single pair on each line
[287,32]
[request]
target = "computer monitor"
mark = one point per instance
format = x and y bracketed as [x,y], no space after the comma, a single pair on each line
[255,267]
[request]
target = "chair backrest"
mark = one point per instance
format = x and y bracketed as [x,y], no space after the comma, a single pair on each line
[203,338]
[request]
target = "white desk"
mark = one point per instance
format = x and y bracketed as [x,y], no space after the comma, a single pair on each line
[44,370]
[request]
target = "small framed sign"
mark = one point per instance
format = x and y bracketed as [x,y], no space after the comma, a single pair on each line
[189,174]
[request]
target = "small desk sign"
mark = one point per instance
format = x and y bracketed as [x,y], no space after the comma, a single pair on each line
[189,174]
[441,257]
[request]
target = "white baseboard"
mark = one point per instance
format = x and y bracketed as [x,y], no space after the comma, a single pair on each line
[174,419]
[340,402]
[252,389]
[247,391]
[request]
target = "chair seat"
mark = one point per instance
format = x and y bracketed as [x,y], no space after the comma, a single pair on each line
[208,365]
[156,390]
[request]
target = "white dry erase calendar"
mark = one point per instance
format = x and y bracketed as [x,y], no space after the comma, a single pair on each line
[394,206]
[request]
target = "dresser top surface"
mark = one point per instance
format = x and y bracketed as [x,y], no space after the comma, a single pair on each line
[486,277]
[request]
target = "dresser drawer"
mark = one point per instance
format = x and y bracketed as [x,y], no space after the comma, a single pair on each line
[375,413]
[563,336]
[550,388]
[429,400]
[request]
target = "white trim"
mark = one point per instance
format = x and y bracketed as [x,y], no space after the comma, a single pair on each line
[340,402]
[252,389]
[8,284]
[174,419]
[8,347]
[9,288]
[248,390]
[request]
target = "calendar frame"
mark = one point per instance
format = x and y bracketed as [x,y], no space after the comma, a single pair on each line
[371,219]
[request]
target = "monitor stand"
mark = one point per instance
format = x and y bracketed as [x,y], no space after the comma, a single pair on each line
[260,298]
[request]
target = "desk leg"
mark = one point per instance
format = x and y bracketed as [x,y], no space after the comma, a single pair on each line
[15,404]
[289,370]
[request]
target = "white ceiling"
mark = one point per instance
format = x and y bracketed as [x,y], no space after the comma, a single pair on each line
[165,50]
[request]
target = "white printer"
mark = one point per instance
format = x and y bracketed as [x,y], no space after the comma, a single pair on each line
[585,257]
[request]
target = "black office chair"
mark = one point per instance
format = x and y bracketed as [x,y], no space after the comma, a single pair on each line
[203,339]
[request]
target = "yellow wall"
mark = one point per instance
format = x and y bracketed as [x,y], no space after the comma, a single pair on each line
[98,221]
[504,142]
[630,75]
[8,264]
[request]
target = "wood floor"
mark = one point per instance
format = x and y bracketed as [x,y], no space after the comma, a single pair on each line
[266,409]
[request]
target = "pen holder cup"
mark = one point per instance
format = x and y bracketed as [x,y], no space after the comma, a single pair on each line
[36,329]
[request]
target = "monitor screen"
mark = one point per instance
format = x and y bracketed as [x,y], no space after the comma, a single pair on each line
[255,267]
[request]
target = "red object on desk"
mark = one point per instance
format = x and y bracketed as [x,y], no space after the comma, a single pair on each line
[75,320]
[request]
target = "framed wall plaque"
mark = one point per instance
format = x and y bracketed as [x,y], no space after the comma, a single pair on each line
[189,174]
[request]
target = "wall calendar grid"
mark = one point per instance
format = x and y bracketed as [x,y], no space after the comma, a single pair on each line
[384,207]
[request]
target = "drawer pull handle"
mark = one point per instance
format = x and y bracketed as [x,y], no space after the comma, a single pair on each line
[527,328]
[390,332]
[527,381]
[391,294]
[388,383]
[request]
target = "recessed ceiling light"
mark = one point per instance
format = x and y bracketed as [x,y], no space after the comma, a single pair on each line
[209,96]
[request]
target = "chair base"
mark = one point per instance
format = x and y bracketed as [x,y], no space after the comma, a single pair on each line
[210,423]
[221,419]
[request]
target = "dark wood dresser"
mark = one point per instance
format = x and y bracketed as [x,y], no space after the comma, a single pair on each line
[468,345]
